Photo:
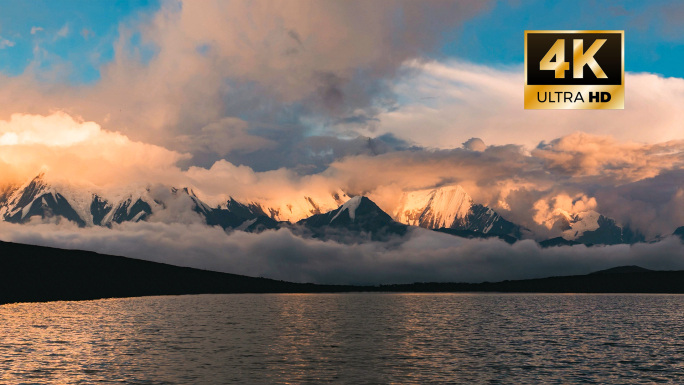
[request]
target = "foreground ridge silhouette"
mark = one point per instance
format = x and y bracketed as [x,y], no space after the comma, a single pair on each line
[38,274]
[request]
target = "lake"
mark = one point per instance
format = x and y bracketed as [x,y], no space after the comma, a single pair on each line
[358,338]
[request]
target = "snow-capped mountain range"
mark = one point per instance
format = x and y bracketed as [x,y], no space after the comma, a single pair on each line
[358,215]
[90,206]
[447,209]
[452,208]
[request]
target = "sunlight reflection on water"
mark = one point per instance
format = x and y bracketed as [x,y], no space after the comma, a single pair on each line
[347,338]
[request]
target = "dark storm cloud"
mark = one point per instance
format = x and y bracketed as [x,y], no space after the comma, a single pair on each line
[313,154]
[654,205]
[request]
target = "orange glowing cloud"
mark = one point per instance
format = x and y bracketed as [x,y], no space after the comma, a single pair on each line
[72,149]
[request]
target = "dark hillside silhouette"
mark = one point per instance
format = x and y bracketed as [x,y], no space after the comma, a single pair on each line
[37,274]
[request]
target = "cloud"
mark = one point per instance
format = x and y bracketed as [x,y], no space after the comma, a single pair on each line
[654,206]
[474,144]
[422,256]
[63,32]
[451,101]
[549,210]
[282,189]
[80,154]
[664,18]
[4,43]
[574,173]
[297,89]
[86,33]
[225,136]
[274,64]
[35,29]
[80,151]
[588,156]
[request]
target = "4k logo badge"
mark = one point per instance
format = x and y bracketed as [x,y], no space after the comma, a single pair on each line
[575,70]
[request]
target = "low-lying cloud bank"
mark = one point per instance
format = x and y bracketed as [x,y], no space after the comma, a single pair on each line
[421,256]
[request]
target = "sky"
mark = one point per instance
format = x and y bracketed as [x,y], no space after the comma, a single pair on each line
[491,37]
[271,100]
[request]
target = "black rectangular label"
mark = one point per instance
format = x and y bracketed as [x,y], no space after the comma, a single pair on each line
[608,57]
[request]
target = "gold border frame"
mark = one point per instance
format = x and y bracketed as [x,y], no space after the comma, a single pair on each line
[622,38]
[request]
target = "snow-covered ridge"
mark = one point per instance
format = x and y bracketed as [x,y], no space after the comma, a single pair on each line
[90,205]
[351,206]
[46,199]
[294,209]
[79,198]
[451,207]
[581,223]
[434,208]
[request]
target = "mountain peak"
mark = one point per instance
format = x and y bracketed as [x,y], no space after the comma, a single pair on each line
[433,208]
[350,206]
[679,232]
[359,215]
[451,207]
[581,223]
[592,228]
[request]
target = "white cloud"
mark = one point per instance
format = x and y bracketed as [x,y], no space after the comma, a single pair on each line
[4,43]
[449,103]
[63,32]
[35,29]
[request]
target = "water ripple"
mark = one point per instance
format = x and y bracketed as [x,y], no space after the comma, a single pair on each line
[347,338]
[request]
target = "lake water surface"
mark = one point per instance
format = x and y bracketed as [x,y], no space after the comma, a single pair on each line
[346,338]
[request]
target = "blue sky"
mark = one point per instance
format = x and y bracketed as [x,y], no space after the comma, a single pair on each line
[78,36]
[653,40]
